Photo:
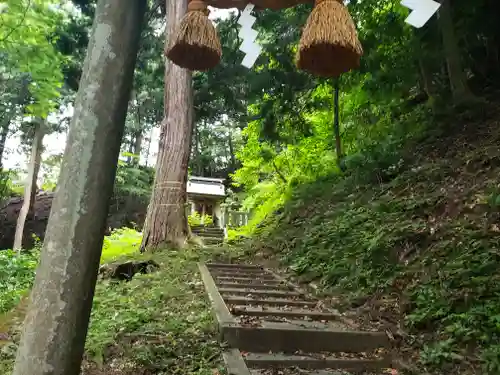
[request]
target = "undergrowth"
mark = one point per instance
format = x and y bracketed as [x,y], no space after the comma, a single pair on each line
[416,239]
[157,323]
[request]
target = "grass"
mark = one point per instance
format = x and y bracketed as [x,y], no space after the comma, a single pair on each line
[158,323]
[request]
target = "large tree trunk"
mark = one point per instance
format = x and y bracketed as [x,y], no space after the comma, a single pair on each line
[166,221]
[56,325]
[456,74]
[30,187]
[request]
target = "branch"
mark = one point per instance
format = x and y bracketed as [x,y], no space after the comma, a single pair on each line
[280,175]
[19,24]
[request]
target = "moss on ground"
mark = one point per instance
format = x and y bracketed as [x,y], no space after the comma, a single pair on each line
[415,246]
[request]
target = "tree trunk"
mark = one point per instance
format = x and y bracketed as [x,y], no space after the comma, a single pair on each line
[56,324]
[336,122]
[232,168]
[149,144]
[137,147]
[166,221]
[456,74]
[426,79]
[278,172]
[30,187]
[4,132]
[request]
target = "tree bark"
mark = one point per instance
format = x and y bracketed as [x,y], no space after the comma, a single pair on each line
[4,132]
[30,187]
[456,74]
[56,325]
[166,221]
[137,147]
[232,157]
[336,122]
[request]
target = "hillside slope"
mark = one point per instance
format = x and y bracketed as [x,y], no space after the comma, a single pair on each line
[414,247]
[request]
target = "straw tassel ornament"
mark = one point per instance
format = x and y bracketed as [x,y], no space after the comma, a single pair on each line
[329,45]
[196,45]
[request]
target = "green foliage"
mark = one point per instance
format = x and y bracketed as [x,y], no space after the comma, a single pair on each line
[196,218]
[160,321]
[419,237]
[4,184]
[27,27]
[17,271]
[134,181]
[121,242]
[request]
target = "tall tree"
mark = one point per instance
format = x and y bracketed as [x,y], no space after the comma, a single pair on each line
[456,73]
[39,129]
[56,325]
[166,221]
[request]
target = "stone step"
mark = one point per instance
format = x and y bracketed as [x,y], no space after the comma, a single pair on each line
[209,234]
[258,318]
[241,275]
[248,272]
[303,364]
[237,300]
[234,266]
[270,280]
[254,286]
[255,275]
[313,362]
[261,293]
[212,240]
[289,313]
[290,337]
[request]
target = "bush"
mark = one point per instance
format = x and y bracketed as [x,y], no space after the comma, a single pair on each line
[17,271]
[196,219]
[120,242]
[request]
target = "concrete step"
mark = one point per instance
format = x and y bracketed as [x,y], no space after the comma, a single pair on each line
[238,363]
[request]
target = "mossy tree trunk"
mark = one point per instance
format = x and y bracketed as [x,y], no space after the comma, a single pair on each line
[166,221]
[55,328]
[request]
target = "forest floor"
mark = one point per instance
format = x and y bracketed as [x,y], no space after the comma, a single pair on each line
[158,323]
[413,249]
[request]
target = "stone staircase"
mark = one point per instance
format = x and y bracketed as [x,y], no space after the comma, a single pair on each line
[273,327]
[210,235]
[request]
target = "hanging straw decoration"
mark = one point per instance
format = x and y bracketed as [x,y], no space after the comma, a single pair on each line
[329,45]
[196,45]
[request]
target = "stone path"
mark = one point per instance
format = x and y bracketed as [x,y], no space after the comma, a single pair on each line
[272,327]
